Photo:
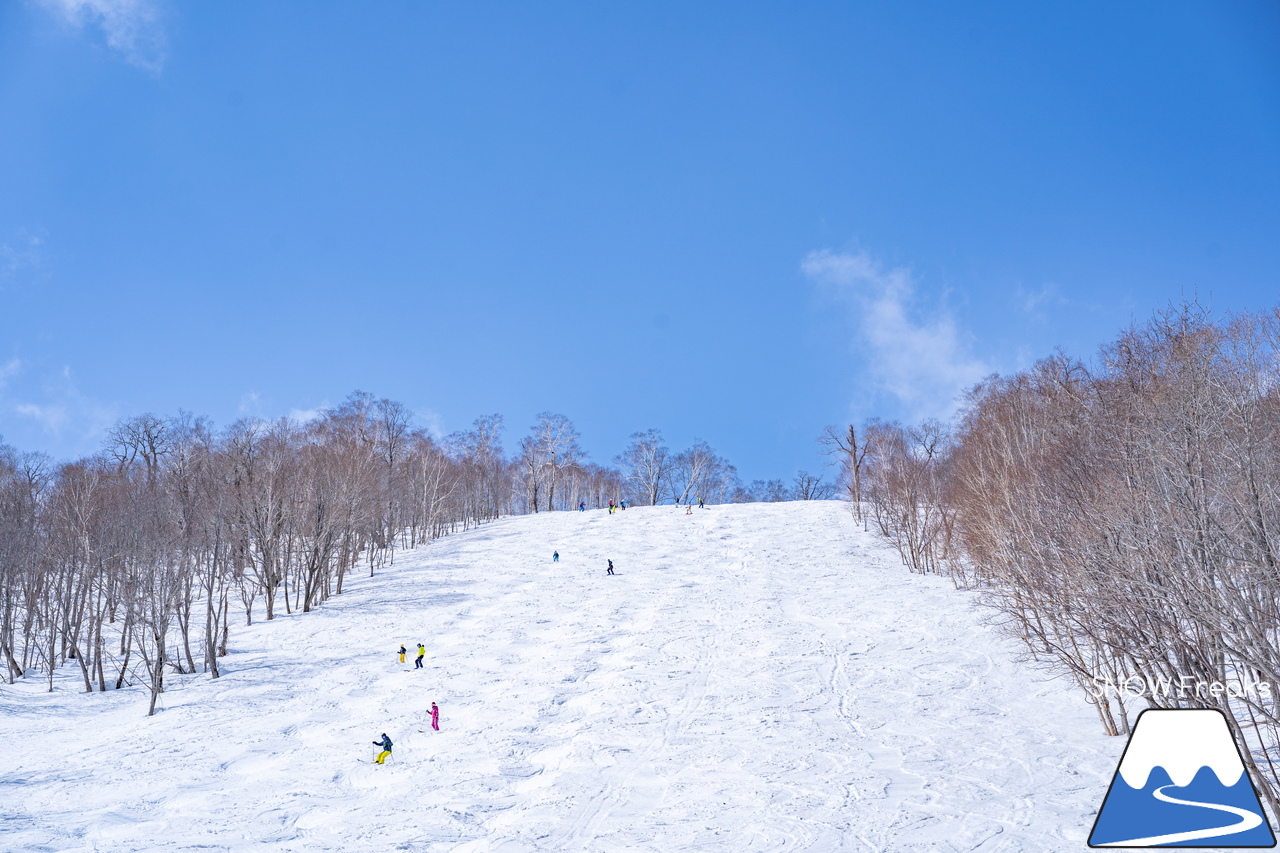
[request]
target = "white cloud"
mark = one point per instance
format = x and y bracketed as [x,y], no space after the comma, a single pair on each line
[925,362]
[132,27]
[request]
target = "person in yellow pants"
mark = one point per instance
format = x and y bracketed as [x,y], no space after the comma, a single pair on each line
[385,743]
[403,651]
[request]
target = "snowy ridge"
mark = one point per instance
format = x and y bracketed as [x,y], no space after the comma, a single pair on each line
[1181,743]
[764,677]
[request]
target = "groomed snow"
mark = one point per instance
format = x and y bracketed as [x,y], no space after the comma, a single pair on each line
[755,677]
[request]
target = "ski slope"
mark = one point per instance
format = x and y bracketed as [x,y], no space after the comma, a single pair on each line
[761,677]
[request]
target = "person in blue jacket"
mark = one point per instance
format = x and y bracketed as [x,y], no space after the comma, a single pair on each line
[385,743]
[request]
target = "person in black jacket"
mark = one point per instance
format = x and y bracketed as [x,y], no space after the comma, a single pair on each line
[610,567]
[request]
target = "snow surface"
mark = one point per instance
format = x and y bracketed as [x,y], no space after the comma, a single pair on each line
[755,677]
[1181,742]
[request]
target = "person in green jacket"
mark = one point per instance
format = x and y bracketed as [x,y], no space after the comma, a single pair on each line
[385,743]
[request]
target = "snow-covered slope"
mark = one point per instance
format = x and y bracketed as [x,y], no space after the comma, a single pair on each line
[758,677]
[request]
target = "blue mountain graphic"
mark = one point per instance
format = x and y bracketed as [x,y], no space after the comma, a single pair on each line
[1130,813]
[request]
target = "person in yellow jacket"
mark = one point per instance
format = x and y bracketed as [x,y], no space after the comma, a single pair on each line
[403,652]
[422,652]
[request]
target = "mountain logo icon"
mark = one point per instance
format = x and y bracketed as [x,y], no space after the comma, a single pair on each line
[1181,783]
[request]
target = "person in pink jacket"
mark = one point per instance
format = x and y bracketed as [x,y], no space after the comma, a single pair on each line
[435,717]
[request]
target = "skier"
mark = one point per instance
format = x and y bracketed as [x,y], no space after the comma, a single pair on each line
[403,652]
[701,505]
[688,509]
[610,567]
[610,506]
[435,717]
[422,652]
[582,506]
[555,556]
[385,743]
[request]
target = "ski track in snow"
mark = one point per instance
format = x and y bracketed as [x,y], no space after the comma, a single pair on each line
[762,677]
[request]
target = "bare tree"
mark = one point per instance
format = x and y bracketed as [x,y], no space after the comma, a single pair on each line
[811,488]
[843,444]
[1123,519]
[647,464]
[145,436]
[696,470]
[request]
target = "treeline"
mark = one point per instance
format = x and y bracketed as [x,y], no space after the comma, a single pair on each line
[135,561]
[1122,517]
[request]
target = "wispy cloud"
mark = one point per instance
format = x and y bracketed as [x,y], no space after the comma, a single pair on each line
[52,418]
[10,368]
[58,409]
[132,27]
[1049,302]
[432,421]
[923,359]
[1048,295]
[250,404]
[306,416]
[22,250]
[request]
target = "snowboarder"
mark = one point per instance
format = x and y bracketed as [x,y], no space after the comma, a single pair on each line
[610,571]
[582,506]
[555,556]
[403,652]
[385,743]
[422,652]
[435,717]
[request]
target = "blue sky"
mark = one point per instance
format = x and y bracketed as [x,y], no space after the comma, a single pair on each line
[731,221]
